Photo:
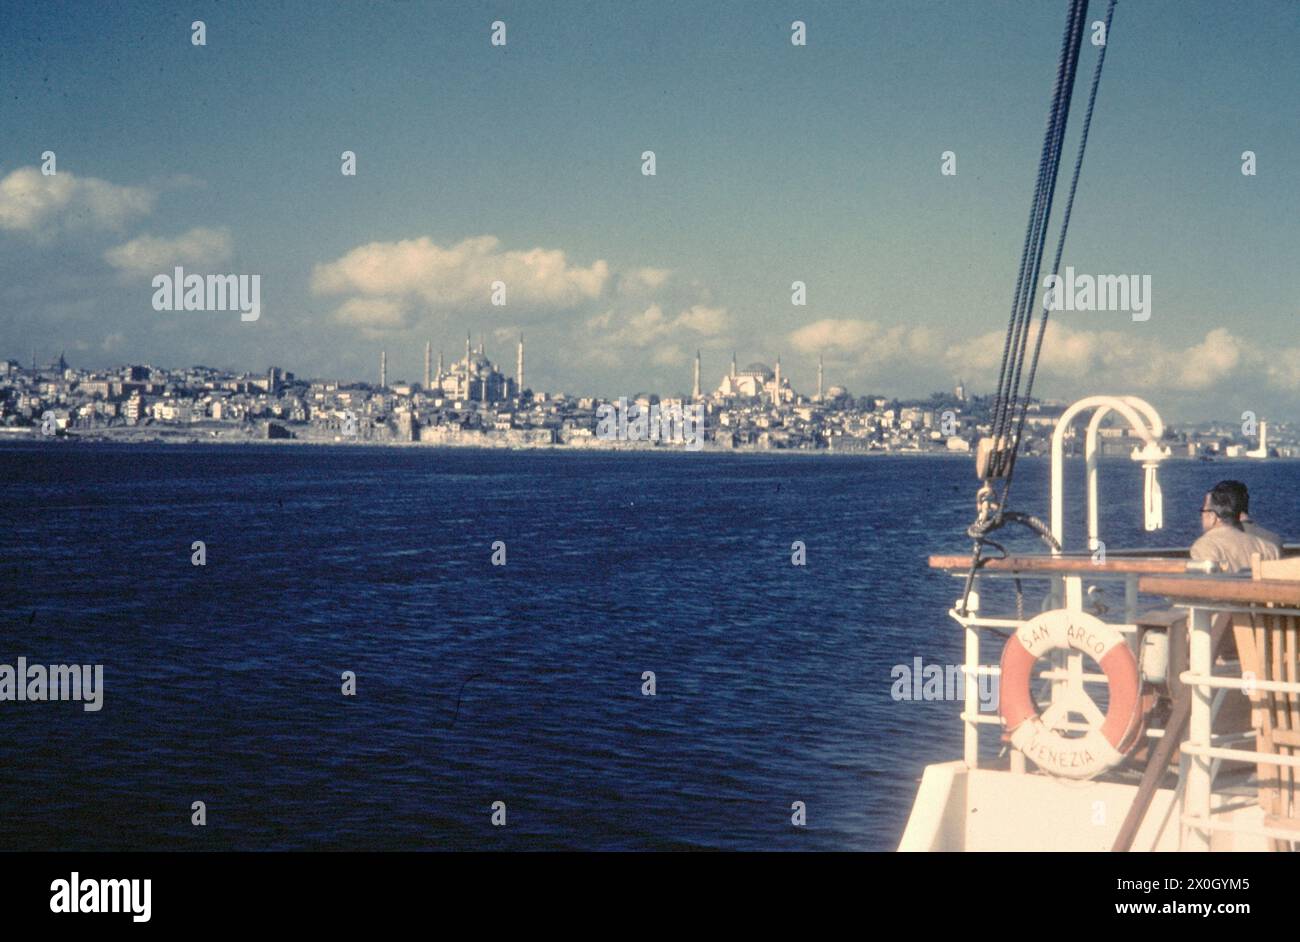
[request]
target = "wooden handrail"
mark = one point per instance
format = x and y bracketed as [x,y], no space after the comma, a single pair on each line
[1079,564]
[1228,589]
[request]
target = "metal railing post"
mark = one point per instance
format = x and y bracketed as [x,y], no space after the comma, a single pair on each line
[971,747]
[1196,796]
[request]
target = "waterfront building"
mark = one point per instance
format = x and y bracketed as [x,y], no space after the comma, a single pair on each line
[475,378]
[756,381]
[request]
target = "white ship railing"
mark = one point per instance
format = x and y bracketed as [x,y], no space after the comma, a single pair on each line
[1202,745]
[1063,572]
[1203,752]
[1145,423]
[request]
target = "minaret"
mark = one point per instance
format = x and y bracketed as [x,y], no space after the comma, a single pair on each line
[695,389]
[467,391]
[383,369]
[733,364]
[776,386]
[428,365]
[481,348]
[819,377]
[519,367]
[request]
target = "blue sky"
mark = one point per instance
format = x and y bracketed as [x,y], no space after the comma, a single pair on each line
[774,163]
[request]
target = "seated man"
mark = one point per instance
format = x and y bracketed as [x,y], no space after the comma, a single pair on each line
[1225,541]
[1250,526]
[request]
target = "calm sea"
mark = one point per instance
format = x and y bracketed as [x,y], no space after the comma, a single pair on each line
[477,683]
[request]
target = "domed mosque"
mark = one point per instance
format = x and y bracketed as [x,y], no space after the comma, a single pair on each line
[756,381]
[475,377]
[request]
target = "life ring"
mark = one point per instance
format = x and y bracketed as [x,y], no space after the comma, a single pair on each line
[1103,746]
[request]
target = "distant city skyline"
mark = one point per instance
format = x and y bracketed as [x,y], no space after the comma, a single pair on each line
[473,402]
[473,353]
[521,165]
[755,380]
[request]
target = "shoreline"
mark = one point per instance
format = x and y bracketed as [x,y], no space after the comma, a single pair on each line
[33,437]
[620,449]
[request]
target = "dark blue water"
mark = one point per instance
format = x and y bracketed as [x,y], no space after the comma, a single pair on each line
[223,682]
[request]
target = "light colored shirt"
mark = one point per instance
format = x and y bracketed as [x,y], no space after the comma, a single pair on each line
[1268,536]
[1232,548]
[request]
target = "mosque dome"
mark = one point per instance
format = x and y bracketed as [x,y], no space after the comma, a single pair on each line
[759,369]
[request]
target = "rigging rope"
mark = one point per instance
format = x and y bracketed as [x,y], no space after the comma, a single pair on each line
[1013,327]
[1011,405]
[1031,261]
[1060,243]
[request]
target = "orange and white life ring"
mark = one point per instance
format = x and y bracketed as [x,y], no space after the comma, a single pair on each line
[1102,746]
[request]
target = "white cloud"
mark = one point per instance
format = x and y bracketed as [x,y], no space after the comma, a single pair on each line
[150,255]
[33,202]
[642,280]
[653,326]
[707,321]
[648,334]
[863,342]
[1283,369]
[1206,364]
[462,274]
[374,313]
[1136,359]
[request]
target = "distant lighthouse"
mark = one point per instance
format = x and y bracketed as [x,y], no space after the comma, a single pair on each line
[1262,450]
